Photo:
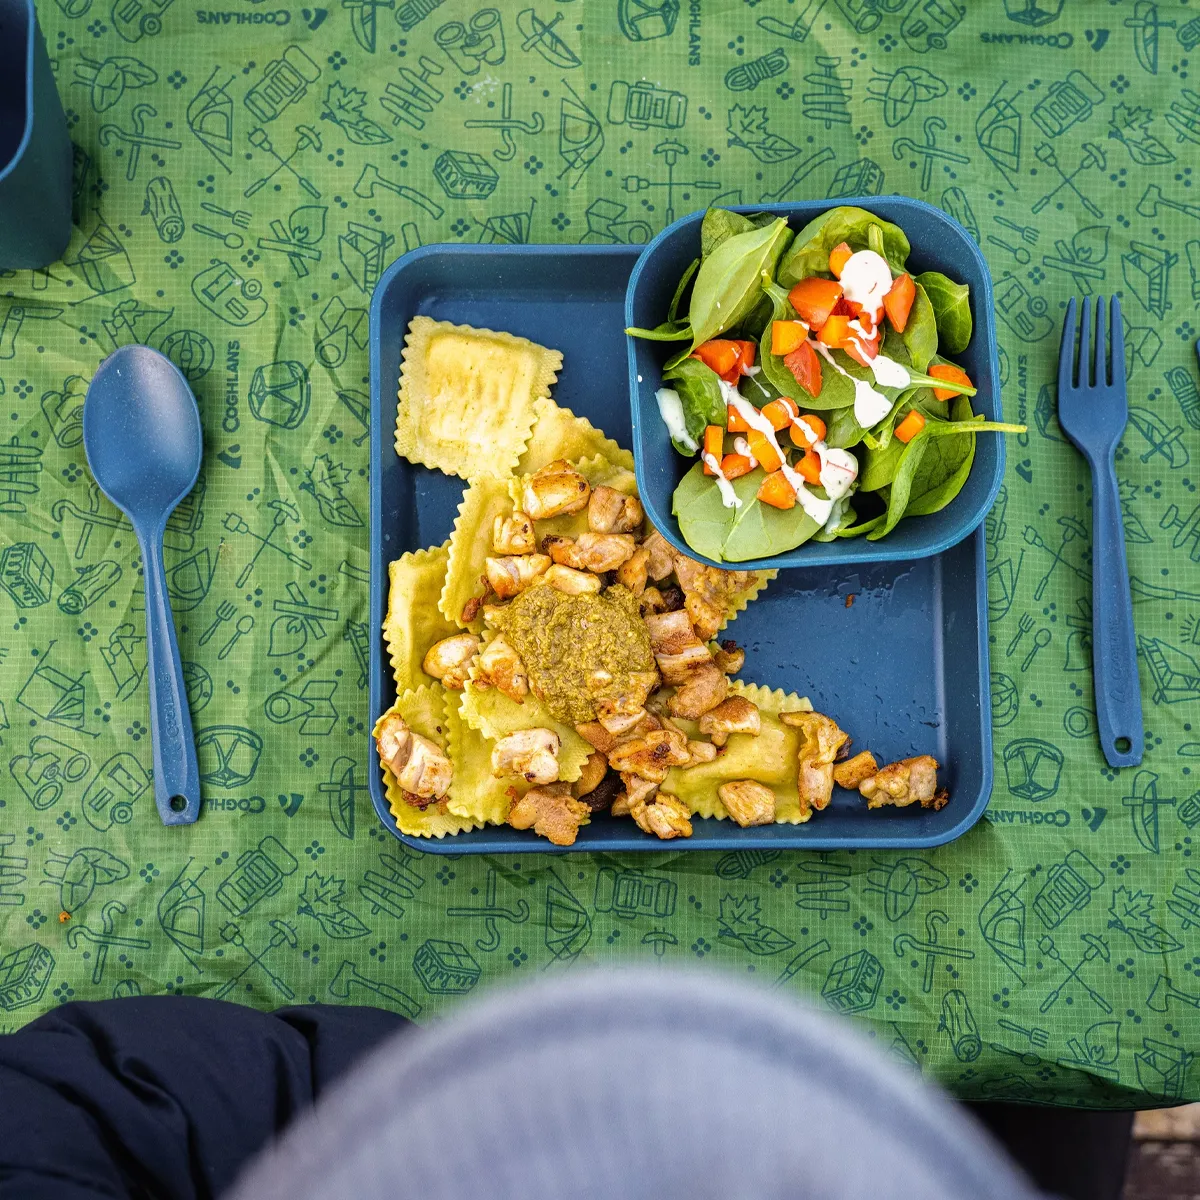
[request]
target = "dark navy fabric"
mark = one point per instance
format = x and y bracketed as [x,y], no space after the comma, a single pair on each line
[163,1097]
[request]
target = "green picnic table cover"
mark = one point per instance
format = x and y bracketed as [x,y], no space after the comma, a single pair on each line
[225,213]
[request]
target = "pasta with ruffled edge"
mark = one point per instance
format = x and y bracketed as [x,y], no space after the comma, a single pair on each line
[413,622]
[770,759]
[475,793]
[496,715]
[424,710]
[467,396]
[559,433]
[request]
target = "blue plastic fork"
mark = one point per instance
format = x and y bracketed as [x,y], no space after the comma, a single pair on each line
[1093,411]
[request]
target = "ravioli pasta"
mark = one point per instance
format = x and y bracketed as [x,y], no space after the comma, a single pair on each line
[467,397]
[413,621]
[424,711]
[769,759]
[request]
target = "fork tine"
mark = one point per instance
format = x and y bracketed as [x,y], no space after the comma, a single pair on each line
[1085,343]
[1100,358]
[1116,335]
[1066,352]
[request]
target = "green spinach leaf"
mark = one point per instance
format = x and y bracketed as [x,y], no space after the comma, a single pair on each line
[668,331]
[699,389]
[727,286]
[758,530]
[754,530]
[920,334]
[680,288]
[721,223]
[809,253]
[880,466]
[901,486]
[703,519]
[952,309]
[924,483]
[945,467]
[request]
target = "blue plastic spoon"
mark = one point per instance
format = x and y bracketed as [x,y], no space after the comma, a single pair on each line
[141,431]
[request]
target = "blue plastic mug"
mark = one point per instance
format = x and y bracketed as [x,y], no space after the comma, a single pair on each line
[35,148]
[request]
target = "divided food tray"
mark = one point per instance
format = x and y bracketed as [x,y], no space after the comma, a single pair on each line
[896,652]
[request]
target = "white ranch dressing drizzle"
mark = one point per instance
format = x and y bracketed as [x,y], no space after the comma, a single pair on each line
[870,406]
[728,495]
[742,447]
[866,279]
[814,506]
[839,468]
[670,408]
[889,373]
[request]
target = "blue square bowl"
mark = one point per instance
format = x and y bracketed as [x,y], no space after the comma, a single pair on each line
[939,243]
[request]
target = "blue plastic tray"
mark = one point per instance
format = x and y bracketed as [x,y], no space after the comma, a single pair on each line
[907,667]
[939,243]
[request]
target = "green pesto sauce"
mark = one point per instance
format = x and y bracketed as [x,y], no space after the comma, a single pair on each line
[563,639]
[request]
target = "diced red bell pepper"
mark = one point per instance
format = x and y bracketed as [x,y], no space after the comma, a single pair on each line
[805,367]
[838,257]
[721,354]
[814,299]
[776,491]
[899,301]
[786,336]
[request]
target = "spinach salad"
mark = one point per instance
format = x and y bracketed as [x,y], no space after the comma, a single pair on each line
[813,385]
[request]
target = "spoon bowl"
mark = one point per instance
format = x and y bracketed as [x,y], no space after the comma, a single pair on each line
[142,436]
[141,431]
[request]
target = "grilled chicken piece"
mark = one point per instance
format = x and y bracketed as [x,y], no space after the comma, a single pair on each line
[821,739]
[664,815]
[499,665]
[652,755]
[449,659]
[574,583]
[704,690]
[552,812]
[594,769]
[598,552]
[610,511]
[677,649]
[509,576]
[708,592]
[653,602]
[686,663]
[556,488]
[730,657]
[632,572]
[748,802]
[620,712]
[735,715]
[596,735]
[514,535]
[909,781]
[531,753]
[853,771]
[700,752]
[636,791]
[418,764]
[662,556]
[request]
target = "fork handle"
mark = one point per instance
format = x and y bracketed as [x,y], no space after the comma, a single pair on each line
[1114,649]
